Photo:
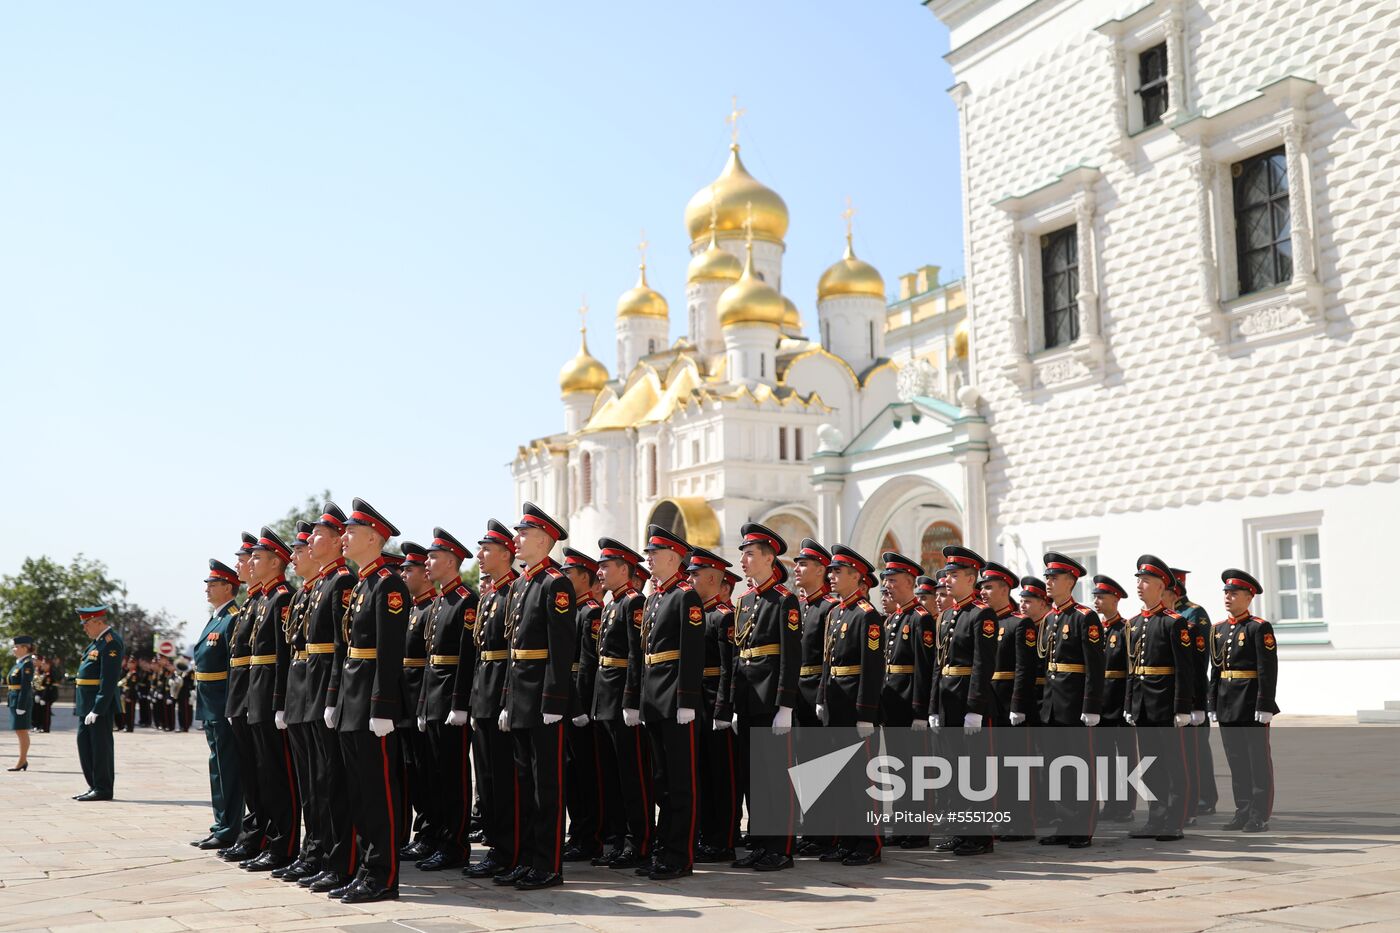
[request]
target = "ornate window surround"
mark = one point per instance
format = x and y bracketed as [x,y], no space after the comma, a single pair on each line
[1069,199]
[1153,23]
[1274,115]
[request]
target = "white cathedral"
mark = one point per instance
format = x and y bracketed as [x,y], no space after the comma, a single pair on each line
[729,423]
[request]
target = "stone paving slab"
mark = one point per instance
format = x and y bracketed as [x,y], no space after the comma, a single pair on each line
[126,865]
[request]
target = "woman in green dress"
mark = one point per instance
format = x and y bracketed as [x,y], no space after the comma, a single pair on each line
[20,696]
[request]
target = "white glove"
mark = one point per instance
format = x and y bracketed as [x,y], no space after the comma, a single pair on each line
[935,721]
[734,724]
[458,717]
[1213,716]
[331,716]
[1181,719]
[1198,716]
[40,701]
[684,716]
[503,721]
[782,721]
[89,719]
[720,724]
[631,717]
[1016,719]
[1263,718]
[865,729]
[580,720]
[1128,718]
[972,723]
[381,727]
[279,719]
[1089,719]
[551,718]
[422,723]
[821,713]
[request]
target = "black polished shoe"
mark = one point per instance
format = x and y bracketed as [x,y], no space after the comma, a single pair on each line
[349,885]
[974,845]
[630,858]
[837,854]
[861,858]
[772,861]
[749,860]
[308,880]
[601,861]
[512,876]
[813,849]
[1236,824]
[573,853]
[1170,837]
[265,862]
[415,851]
[1256,826]
[93,795]
[914,842]
[709,855]
[237,853]
[328,881]
[669,872]
[365,891]
[440,861]
[534,880]
[1084,842]
[296,866]
[485,868]
[307,870]
[646,868]
[199,842]
[83,794]
[1055,840]
[1016,838]
[214,842]
[947,845]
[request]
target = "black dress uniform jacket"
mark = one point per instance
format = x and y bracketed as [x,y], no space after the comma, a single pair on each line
[719,658]
[814,616]
[964,664]
[239,653]
[330,599]
[366,682]
[619,656]
[590,626]
[853,663]
[1240,646]
[1074,637]
[451,645]
[1115,673]
[415,658]
[492,649]
[673,651]
[1159,685]
[1004,673]
[1200,628]
[271,655]
[1028,688]
[909,637]
[541,623]
[767,634]
[295,702]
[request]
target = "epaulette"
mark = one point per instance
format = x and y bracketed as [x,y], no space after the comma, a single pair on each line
[342,570]
[865,605]
[684,585]
[781,590]
[1172,613]
[553,571]
[831,598]
[282,588]
[385,572]
[461,590]
[233,610]
[919,608]
[592,603]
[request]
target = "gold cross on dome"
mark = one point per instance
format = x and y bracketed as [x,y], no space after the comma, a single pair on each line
[848,214]
[642,247]
[735,113]
[583,315]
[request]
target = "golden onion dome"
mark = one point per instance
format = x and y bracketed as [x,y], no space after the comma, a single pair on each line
[731,193]
[751,300]
[792,321]
[960,339]
[714,264]
[850,277]
[583,373]
[641,300]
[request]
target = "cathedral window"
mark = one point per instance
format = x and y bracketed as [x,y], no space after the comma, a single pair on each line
[1263,237]
[1152,83]
[797,443]
[1059,286]
[782,444]
[651,470]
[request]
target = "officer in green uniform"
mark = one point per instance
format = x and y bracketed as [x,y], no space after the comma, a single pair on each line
[211,655]
[97,702]
[20,696]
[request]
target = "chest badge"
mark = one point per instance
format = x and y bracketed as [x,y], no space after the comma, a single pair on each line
[1065,629]
[561,601]
[792,619]
[696,615]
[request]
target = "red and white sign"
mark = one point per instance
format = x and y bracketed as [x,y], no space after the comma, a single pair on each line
[165,646]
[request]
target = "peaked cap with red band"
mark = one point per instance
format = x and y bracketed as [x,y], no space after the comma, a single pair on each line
[811,550]
[613,549]
[1034,586]
[303,534]
[731,579]
[700,559]
[391,560]
[840,554]
[660,539]
[362,513]
[414,553]
[754,533]
[896,562]
[91,613]
[997,573]
[498,533]
[535,517]
[1109,586]
[246,547]
[1056,562]
[268,541]
[442,541]
[1235,579]
[332,517]
[579,560]
[1149,565]
[961,558]
[926,586]
[220,572]
[1180,584]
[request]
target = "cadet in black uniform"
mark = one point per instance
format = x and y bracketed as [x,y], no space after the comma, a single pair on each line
[268,665]
[908,649]
[1160,694]
[965,659]
[768,636]
[1243,683]
[616,703]
[587,807]
[814,599]
[1117,740]
[718,770]
[994,586]
[296,716]
[250,837]
[364,700]
[1072,639]
[853,677]
[414,744]
[541,630]
[492,750]
[1200,767]
[1027,689]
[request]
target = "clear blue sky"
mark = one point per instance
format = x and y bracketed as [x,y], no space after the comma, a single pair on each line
[251,251]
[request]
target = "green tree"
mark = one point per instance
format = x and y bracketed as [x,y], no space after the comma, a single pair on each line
[308,511]
[42,600]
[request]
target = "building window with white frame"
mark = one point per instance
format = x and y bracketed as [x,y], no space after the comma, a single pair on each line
[1263,233]
[782,443]
[1059,286]
[1152,88]
[1296,575]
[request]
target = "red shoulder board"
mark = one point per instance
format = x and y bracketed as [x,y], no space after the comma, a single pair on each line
[919,608]
[385,572]
[553,571]
[342,571]
[460,590]
[831,598]
[684,585]
[592,603]
[781,590]
[864,604]
[1172,615]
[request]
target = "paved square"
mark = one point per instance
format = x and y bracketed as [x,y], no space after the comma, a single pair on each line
[126,865]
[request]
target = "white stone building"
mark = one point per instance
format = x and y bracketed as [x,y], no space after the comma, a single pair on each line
[1185,302]
[724,425]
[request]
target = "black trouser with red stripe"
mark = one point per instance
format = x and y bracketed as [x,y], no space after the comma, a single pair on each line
[419,800]
[539,757]
[277,786]
[588,806]
[872,844]
[376,802]
[719,788]
[250,835]
[331,801]
[498,784]
[1166,778]
[674,748]
[450,814]
[313,830]
[1251,768]
[633,756]
[760,718]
